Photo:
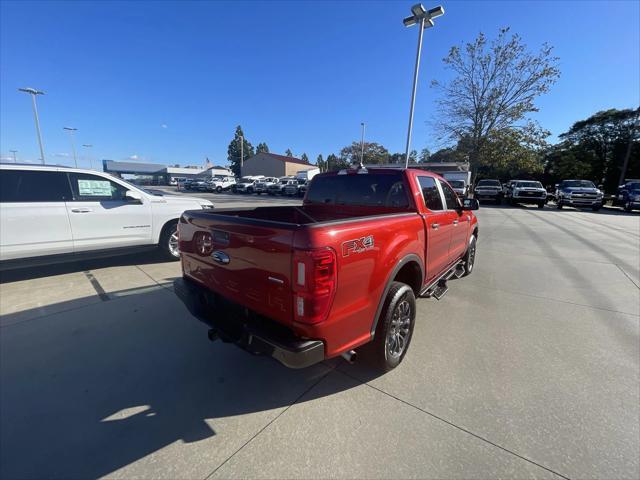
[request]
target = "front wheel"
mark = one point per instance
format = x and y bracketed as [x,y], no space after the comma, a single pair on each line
[218,189]
[541,205]
[249,190]
[627,206]
[395,327]
[595,208]
[558,204]
[469,258]
[169,241]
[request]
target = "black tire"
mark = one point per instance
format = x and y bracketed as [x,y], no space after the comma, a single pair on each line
[250,190]
[498,201]
[218,189]
[470,257]
[541,205]
[596,208]
[395,328]
[558,205]
[627,206]
[167,239]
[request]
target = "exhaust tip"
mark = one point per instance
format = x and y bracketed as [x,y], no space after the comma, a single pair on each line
[350,356]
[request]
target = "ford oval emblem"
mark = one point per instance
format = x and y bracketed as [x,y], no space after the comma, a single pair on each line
[220,257]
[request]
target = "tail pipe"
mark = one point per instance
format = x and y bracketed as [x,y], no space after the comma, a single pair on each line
[350,356]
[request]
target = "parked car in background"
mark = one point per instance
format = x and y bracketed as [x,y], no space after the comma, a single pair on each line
[489,189]
[629,195]
[247,184]
[276,188]
[341,271]
[579,194]
[460,187]
[293,188]
[262,186]
[220,184]
[527,192]
[200,185]
[50,214]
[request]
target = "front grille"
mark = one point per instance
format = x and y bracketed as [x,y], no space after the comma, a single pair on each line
[531,194]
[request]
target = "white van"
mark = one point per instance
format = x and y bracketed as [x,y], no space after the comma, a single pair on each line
[50,214]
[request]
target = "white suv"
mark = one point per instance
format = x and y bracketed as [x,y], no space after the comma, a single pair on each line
[50,213]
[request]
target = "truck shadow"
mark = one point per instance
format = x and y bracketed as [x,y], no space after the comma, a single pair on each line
[99,387]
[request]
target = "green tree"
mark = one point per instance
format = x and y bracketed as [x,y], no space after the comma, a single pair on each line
[262,147]
[335,163]
[609,141]
[424,156]
[304,158]
[322,165]
[494,87]
[288,153]
[234,150]
[374,153]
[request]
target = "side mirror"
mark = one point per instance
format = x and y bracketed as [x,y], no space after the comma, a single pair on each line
[132,196]
[470,204]
[557,185]
[600,186]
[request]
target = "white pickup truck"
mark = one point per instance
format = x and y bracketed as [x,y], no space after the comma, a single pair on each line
[50,214]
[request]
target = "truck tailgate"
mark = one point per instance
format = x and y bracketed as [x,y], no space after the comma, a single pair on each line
[246,263]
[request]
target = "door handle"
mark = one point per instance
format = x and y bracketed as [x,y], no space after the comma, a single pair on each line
[455,222]
[81,210]
[435,226]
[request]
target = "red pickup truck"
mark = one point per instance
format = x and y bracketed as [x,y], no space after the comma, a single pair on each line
[310,282]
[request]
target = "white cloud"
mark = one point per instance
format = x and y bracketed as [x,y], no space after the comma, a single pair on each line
[134,157]
[164,125]
[6,159]
[62,154]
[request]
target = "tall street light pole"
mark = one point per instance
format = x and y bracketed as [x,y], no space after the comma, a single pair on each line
[71,131]
[362,145]
[425,19]
[87,145]
[14,155]
[33,92]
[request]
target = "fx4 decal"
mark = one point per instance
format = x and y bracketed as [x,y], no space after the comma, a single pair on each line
[357,245]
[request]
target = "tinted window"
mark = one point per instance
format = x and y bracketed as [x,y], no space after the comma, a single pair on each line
[89,187]
[450,197]
[430,192]
[33,186]
[371,189]
[577,184]
[529,185]
[489,183]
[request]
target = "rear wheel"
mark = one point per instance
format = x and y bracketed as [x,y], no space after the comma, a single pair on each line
[627,206]
[169,241]
[218,189]
[250,190]
[395,328]
[559,204]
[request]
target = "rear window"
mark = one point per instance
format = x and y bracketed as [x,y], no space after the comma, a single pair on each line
[33,186]
[369,189]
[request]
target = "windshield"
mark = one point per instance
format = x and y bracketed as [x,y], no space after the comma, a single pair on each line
[246,180]
[489,183]
[456,183]
[528,185]
[635,186]
[577,184]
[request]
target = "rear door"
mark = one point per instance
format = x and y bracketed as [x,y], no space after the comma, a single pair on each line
[33,216]
[458,220]
[101,216]
[439,225]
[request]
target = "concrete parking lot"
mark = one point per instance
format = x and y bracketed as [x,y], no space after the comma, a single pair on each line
[528,368]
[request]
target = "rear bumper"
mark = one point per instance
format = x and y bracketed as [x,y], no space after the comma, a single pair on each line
[251,332]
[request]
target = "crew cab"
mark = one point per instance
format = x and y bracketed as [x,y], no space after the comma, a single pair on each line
[219,184]
[528,192]
[246,184]
[262,186]
[341,271]
[50,214]
[629,195]
[489,189]
[579,194]
[276,188]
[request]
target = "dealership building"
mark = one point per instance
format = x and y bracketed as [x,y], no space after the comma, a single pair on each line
[158,174]
[272,165]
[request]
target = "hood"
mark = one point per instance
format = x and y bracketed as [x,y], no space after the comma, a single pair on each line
[180,200]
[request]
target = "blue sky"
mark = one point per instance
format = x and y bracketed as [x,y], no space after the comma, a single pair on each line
[168,81]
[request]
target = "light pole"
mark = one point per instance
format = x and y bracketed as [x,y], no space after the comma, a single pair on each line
[88,145]
[33,92]
[362,145]
[71,131]
[14,155]
[425,19]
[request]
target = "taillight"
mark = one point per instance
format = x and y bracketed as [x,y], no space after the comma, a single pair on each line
[203,243]
[314,284]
